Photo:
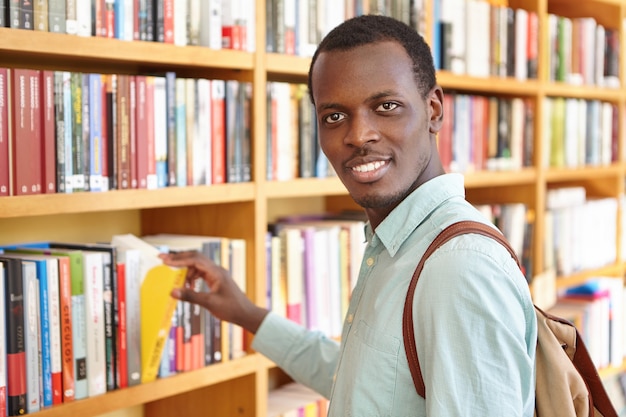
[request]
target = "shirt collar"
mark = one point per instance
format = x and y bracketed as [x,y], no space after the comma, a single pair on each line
[413,210]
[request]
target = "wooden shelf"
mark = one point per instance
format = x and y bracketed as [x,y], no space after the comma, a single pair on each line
[157,390]
[87,202]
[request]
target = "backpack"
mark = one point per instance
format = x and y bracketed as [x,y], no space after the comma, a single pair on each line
[567,381]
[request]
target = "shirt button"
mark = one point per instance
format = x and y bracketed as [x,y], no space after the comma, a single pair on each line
[350,318]
[370,261]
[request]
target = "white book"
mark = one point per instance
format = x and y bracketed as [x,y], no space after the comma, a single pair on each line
[160,131]
[477,27]
[131,259]
[211,27]
[202,161]
[32,335]
[93,263]
[521,44]
[83,18]
[181,33]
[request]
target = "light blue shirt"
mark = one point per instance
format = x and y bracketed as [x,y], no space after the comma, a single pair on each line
[475,324]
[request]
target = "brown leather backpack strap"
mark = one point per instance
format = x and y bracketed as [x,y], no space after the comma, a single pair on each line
[408,333]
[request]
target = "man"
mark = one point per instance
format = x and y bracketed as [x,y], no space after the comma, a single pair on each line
[379,109]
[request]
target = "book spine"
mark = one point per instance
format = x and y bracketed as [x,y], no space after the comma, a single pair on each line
[95,132]
[71,22]
[67,338]
[48,182]
[15,343]
[122,352]
[31,335]
[5,187]
[150,128]
[56,16]
[218,137]
[160,131]
[79,328]
[77,143]
[181,133]
[168,21]
[109,19]
[109,301]
[59,129]
[170,108]
[86,131]
[40,15]
[27,19]
[3,350]
[54,318]
[94,323]
[143,129]
[45,332]
[123,131]
[132,130]
[21,140]
[133,318]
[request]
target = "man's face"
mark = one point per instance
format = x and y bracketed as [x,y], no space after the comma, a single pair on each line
[374,124]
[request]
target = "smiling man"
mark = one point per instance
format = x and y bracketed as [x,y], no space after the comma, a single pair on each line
[379,109]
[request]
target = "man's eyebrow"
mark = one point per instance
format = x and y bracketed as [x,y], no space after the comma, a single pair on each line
[373,97]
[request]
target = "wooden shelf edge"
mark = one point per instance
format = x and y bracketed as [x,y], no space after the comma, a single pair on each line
[87,202]
[18,45]
[614,270]
[584,173]
[480,179]
[157,390]
[304,187]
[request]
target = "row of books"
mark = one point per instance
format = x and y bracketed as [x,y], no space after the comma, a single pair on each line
[313,265]
[486,133]
[215,24]
[485,39]
[580,232]
[295,27]
[597,308]
[292,147]
[83,319]
[67,132]
[583,52]
[579,132]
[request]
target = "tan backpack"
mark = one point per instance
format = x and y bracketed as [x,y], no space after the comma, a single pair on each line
[567,382]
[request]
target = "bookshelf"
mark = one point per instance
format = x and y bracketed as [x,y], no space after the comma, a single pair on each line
[240,387]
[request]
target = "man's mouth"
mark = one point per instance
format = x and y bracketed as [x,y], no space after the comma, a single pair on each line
[369,167]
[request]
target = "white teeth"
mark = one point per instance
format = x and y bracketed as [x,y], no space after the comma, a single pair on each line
[369,167]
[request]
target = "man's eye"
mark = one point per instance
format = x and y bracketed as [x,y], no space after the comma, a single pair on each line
[388,106]
[334,118]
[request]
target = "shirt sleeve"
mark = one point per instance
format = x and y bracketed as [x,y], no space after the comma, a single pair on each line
[476,333]
[309,357]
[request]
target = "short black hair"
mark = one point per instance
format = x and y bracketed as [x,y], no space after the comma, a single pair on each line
[366,29]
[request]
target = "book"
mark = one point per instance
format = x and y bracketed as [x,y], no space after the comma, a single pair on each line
[32,316]
[5,185]
[121,352]
[3,350]
[157,307]
[170,118]
[160,132]
[218,131]
[15,334]
[48,147]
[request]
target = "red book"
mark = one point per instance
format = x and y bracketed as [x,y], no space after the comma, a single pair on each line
[132,129]
[67,349]
[151,177]
[25,141]
[168,21]
[218,133]
[48,126]
[122,351]
[5,187]
[15,331]
[109,19]
[142,129]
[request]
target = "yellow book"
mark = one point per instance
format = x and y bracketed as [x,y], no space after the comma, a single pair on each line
[157,307]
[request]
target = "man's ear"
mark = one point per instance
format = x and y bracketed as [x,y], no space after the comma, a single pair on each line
[435,102]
